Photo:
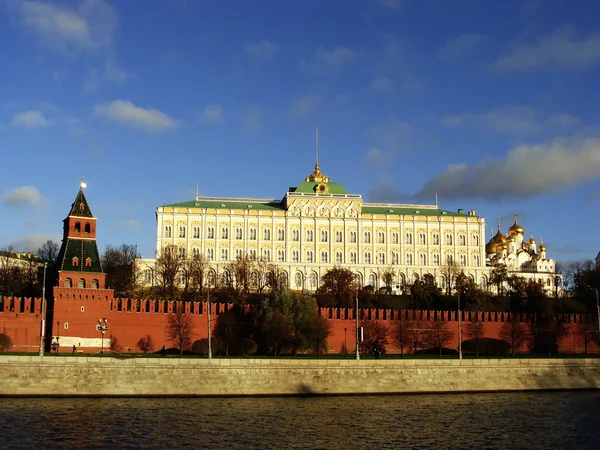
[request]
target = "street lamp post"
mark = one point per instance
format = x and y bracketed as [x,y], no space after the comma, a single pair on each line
[460,355]
[43,312]
[598,312]
[356,318]
[102,327]
[208,320]
[345,346]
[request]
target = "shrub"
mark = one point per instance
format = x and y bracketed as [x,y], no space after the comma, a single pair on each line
[5,343]
[146,344]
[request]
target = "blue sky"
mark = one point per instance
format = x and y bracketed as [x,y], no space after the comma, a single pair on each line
[493,105]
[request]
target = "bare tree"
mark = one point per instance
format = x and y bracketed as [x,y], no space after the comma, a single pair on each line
[587,332]
[402,333]
[375,336]
[438,336]
[180,327]
[146,344]
[262,273]
[475,331]
[193,273]
[514,332]
[122,273]
[417,334]
[450,271]
[498,276]
[11,275]
[167,267]
[277,279]
[48,252]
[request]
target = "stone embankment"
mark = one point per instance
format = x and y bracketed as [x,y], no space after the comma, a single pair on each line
[136,376]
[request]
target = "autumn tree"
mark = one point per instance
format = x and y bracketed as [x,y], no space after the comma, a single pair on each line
[387,277]
[120,265]
[338,288]
[438,336]
[514,332]
[229,332]
[241,272]
[424,293]
[499,276]
[300,311]
[167,267]
[180,327]
[279,332]
[317,330]
[261,270]
[146,344]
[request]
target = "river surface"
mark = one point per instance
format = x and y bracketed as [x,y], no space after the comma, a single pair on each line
[537,420]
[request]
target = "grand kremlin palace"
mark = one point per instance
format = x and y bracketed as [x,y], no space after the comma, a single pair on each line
[318,225]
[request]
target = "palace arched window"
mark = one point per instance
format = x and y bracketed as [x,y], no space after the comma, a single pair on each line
[224,233]
[281,255]
[181,231]
[309,256]
[462,239]
[338,258]
[238,233]
[423,259]
[367,258]
[252,234]
[324,235]
[168,231]
[421,238]
[295,256]
[338,236]
[309,235]
[435,239]
[448,239]
[380,237]
[352,257]
[267,234]
[353,237]
[210,233]
[394,258]
[281,234]
[409,259]
[196,232]
[324,257]
[394,238]
[381,258]
[295,235]
[367,237]
[409,238]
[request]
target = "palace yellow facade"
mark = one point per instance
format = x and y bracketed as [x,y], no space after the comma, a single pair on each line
[318,225]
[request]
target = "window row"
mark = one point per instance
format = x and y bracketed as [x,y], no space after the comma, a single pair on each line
[379,258]
[421,238]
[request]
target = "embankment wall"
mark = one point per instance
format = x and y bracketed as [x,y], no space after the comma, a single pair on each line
[95,376]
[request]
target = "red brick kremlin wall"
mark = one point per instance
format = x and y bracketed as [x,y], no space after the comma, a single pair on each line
[130,320]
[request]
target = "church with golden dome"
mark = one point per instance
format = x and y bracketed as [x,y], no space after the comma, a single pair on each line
[523,258]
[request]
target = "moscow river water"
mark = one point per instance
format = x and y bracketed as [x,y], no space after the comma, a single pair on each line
[533,420]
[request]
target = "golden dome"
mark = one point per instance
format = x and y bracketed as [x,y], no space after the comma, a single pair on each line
[516,228]
[542,248]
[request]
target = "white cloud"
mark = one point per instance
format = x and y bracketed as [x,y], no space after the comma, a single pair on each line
[461,46]
[391,5]
[89,27]
[559,50]
[336,58]
[303,106]
[253,117]
[263,49]
[516,120]
[382,85]
[393,137]
[126,113]
[29,119]
[32,242]
[526,171]
[386,191]
[211,114]
[110,73]
[23,196]
[129,224]
[377,156]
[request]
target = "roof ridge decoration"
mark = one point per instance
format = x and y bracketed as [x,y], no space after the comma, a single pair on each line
[80,207]
[317,176]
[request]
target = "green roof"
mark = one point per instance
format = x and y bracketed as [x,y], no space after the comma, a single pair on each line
[227,204]
[410,210]
[308,187]
[80,207]
[82,249]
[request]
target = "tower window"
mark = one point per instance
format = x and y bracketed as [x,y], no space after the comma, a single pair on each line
[88,262]
[75,261]
[87,227]
[77,227]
